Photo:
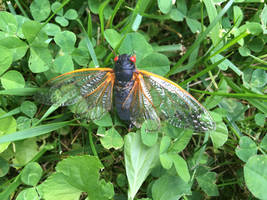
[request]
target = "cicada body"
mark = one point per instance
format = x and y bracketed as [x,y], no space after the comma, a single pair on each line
[138,96]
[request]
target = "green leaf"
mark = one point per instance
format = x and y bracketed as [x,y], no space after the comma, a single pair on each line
[56,187]
[263,143]
[31,174]
[75,175]
[28,108]
[213,101]
[100,51]
[166,160]
[139,161]
[56,5]
[165,5]
[149,138]
[4,167]
[8,125]
[256,44]
[23,123]
[94,5]
[176,15]
[258,78]
[165,144]
[63,63]
[234,109]
[5,59]
[255,174]
[30,30]
[238,16]
[260,119]
[17,47]
[51,29]
[111,139]
[66,41]
[81,56]
[207,183]
[8,22]
[26,150]
[246,149]
[71,14]
[220,135]
[105,121]
[112,37]
[12,79]
[21,20]
[212,13]
[121,180]
[170,187]
[182,141]
[181,167]
[29,193]
[244,51]
[193,24]
[182,7]
[253,27]
[135,43]
[40,9]
[156,63]
[40,59]
[62,21]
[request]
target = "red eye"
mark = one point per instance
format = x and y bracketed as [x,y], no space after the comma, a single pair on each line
[116,58]
[133,59]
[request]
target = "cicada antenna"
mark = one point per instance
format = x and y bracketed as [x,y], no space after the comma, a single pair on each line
[113,52]
[133,53]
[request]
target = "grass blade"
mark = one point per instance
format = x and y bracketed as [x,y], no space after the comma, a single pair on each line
[101,16]
[33,132]
[201,37]
[20,91]
[89,45]
[115,10]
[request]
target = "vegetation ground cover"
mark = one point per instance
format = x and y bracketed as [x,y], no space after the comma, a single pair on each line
[214,49]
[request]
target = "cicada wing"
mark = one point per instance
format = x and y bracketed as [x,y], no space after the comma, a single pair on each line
[176,105]
[88,90]
[139,102]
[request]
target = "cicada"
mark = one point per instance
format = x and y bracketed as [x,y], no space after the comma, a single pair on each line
[137,96]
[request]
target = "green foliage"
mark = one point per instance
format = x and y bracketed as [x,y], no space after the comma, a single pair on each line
[255,175]
[75,175]
[4,167]
[218,48]
[169,187]
[111,139]
[207,182]
[12,79]
[8,126]
[31,174]
[139,161]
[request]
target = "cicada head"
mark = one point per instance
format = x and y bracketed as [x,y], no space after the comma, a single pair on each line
[124,67]
[124,62]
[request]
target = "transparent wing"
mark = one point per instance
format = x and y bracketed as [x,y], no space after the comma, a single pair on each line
[175,105]
[139,102]
[88,90]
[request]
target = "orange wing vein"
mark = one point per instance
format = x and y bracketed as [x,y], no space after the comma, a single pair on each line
[89,91]
[161,98]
